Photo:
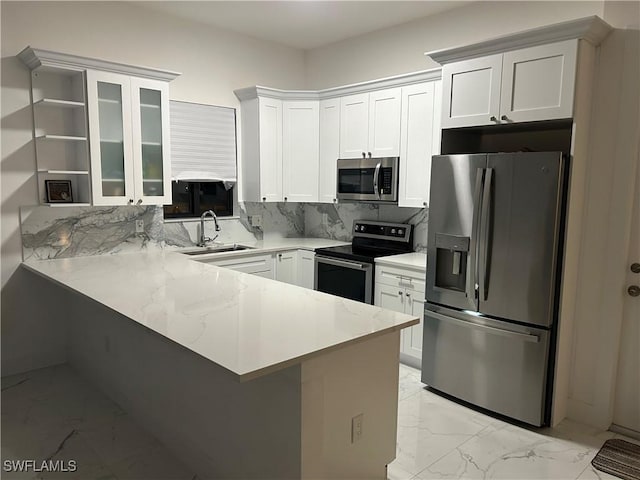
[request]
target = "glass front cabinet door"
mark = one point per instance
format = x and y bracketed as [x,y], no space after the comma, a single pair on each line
[129,139]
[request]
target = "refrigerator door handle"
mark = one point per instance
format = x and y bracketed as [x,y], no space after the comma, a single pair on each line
[485,227]
[472,279]
[525,337]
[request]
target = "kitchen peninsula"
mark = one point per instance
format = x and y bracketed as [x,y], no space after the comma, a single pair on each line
[241,376]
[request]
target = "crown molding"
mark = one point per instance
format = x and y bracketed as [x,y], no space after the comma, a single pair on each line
[382,83]
[592,29]
[37,58]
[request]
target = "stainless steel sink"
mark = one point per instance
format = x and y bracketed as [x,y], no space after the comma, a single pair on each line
[217,249]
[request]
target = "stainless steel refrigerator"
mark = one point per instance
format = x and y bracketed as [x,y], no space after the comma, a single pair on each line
[496,223]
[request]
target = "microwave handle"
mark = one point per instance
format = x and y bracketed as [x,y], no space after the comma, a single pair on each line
[376,174]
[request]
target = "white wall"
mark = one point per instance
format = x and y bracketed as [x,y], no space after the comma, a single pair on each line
[604,262]
[213,63]
[401,49]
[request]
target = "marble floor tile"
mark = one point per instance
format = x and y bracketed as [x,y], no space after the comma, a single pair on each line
[477,446]
[55,414]
[409,382]
[590,473]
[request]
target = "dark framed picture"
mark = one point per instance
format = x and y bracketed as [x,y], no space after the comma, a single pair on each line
[58,191]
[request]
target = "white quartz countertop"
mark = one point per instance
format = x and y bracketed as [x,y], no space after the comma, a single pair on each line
[268,246]
[414,260]
[295,243]
[247,324]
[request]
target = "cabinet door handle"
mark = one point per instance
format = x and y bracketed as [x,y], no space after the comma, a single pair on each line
[364,155]
[264,199]
[131,201]
[139,201]
[504,117]
[369,153]
[493,118]
[285,199]
[408,294]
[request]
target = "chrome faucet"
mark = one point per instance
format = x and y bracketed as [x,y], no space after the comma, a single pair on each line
[204,239]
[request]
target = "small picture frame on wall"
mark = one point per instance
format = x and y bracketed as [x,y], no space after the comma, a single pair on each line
[58,191]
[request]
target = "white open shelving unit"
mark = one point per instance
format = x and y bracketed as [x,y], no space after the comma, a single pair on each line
[60,131]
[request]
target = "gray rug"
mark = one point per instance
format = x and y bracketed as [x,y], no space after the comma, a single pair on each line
[619,458]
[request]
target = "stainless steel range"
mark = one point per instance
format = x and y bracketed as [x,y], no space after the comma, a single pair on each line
[348,271]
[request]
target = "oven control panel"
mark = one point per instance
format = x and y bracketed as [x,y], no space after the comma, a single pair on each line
[382,230]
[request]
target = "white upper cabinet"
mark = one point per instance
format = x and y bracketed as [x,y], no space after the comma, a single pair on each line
[471,92]
[270,149]
[370,124]
[280,148]
[354,125]
[291,140]
[384,123]
[300,151]
[329,149]
[110,133]
[419,140]
[538,82]
[150,135]
[129,139]
[524,85]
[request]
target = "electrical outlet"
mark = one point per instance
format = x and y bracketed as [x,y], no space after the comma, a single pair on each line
[356,428]
[140,226]
[325,219]
[256,220]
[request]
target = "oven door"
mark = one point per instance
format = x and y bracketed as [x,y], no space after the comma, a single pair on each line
[344,278]
[368,179]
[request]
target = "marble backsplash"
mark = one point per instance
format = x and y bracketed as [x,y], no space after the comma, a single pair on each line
[49,232]
[79,231]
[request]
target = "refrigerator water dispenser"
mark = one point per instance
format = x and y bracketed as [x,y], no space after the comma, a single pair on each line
[452,252]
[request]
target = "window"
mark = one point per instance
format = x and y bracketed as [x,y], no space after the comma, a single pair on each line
[192,199]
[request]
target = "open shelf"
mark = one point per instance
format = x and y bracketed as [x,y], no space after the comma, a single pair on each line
[52,102]
[70,204]
[62,137]
[64,172]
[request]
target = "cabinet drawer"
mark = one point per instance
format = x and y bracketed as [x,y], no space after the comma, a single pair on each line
[401,278]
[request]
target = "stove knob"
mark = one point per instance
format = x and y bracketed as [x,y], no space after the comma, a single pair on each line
[400,232]
[393,231]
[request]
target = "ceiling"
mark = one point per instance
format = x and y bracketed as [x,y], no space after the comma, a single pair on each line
[303,24]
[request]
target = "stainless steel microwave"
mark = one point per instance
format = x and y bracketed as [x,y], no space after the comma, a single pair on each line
[368,179]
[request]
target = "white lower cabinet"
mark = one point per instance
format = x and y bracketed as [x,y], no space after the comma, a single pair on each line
[286,266]
[402,290]
[296,267]
[306,268]
[261,265]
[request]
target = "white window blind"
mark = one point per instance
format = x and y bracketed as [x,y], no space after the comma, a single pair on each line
[203,143]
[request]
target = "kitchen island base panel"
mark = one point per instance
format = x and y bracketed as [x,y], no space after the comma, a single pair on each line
[293,423]
[361,379]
